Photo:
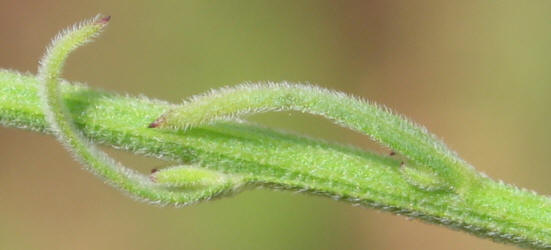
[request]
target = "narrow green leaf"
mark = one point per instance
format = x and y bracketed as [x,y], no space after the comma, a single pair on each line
[98,162]
[394,131]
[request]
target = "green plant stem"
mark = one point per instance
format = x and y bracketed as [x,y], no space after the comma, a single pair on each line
[421,148]
[99,163]
[490,209]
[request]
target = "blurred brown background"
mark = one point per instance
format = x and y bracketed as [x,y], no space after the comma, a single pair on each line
[476,73]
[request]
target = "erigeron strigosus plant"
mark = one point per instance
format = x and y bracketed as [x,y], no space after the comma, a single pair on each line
[218,156]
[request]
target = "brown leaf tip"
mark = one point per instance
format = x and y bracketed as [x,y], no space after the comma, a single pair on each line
[153,125]
[152,176]
[104,20]
[156,123]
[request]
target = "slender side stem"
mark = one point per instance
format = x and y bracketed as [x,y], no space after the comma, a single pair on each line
[494,210]
[59,118]
[394,131]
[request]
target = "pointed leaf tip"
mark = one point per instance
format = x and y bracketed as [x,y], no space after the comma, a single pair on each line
[104,20]
[157,123]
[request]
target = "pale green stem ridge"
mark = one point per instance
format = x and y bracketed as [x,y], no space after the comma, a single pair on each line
[98,162]
[495,210]
[189,177]
[393,131]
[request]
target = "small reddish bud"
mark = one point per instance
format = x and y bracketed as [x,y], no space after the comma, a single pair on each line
[157,122]
[152,176]
[104,20]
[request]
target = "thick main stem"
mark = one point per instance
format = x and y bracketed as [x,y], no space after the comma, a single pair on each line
[494,210]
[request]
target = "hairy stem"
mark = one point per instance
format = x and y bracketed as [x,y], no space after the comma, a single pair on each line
[98,162]
[492,209]
[438,187]
[393,131]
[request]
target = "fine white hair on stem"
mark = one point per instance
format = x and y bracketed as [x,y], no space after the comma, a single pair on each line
[394,131]
[61,123]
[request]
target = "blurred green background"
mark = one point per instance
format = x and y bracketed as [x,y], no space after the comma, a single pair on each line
[475,73]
